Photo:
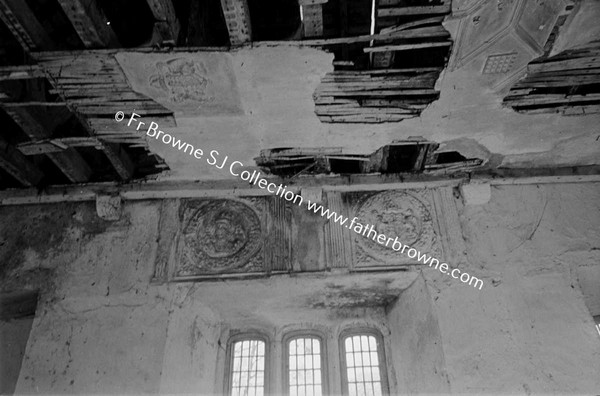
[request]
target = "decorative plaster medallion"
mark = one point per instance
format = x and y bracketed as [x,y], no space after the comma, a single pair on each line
[183,79]
[396,214]
[191,84]
[221,236]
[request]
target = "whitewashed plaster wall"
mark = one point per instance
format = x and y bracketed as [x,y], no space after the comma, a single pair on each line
[101,327]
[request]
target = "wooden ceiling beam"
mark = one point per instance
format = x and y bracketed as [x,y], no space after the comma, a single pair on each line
[237,19]
[69,161]
[18,166]
[90,23]
[407,47]
[167,25]
[420,10]
[115,153]
[119,159]
[24,26]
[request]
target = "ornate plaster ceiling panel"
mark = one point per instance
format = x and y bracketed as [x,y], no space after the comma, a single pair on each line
[502,64]
[484,25]
[461,8]
[203,83]
[536,20]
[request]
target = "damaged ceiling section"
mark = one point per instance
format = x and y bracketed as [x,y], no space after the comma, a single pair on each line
[414,155]
[193,67]
[60,130]
[567,83]
[389,75]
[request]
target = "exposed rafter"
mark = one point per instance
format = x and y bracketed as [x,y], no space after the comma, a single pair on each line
[89,23]
[69,161]
[237,18]
[23,24]
[404,11]
[166,25]
[18,166]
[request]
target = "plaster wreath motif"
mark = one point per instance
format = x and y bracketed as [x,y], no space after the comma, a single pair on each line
[396,214]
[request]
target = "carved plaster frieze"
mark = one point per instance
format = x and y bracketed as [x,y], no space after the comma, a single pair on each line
[406,215]
[221,236]
[425,219]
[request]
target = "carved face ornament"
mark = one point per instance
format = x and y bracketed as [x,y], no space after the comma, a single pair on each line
[220,236]
[224,237]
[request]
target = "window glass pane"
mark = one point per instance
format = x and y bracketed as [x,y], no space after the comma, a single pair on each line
[362,365]
[247,376]
[349,344]
[305,371]
[317,361]
[317,376]
[349,360]
[366,359]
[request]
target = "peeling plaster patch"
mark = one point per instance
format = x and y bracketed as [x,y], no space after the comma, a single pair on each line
[336,296]
[467,147]
[45,233]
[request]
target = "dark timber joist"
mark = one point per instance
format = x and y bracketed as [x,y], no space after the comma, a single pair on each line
[89,22]
[237,18]
[18,166]
[69,161]
[119,159]
[387,87]
[344,25]
[115,153]
[23,24]
[407,47]
[167,25]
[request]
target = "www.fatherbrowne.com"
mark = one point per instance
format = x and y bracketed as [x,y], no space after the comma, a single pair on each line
[236,169]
